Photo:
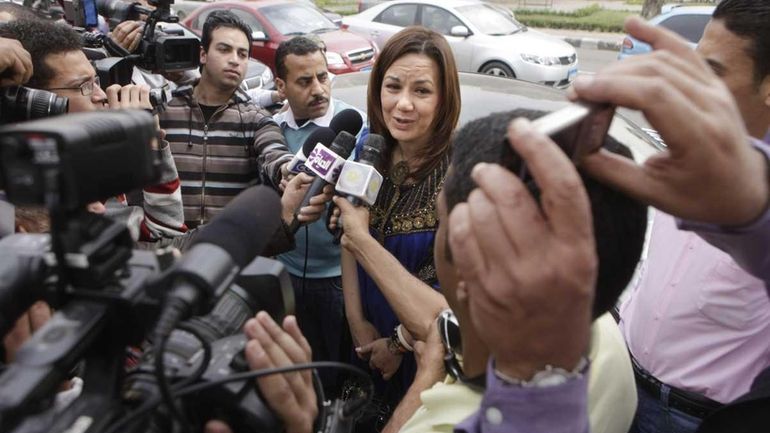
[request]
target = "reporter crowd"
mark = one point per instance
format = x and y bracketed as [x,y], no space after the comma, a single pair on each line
[480,288]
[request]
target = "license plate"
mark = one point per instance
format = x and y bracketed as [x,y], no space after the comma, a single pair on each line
[572,74]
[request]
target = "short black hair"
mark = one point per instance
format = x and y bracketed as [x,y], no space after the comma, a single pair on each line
[749,19]
[223,18]
[619,221]
[41,39]
[18,11]
[299,46]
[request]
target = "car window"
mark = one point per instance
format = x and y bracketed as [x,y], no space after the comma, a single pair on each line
[689,27]
[197,24]
[490,20]
[296,19]
[439,19]
[398,15]
[249,19]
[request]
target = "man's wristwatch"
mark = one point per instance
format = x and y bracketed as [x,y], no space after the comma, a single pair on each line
[548,376]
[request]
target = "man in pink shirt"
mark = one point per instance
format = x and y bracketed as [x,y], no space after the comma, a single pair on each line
[697,324]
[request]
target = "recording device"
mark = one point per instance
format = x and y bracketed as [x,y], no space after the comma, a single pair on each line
[18,104]
[158,51]
[80,158]
[321,135]
[360,181]
[81,13]
[578,128]
[326,163]
[120,70]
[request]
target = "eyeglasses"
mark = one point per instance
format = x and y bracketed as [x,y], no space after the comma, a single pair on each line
[86,89]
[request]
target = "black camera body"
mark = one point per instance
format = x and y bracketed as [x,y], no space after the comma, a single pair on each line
[19,103]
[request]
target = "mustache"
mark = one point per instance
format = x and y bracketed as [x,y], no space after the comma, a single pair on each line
[319,99]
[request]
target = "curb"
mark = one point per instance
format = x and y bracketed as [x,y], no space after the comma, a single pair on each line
[592,43]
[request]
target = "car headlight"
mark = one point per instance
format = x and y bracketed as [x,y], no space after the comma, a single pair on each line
[541,60]
[333,58]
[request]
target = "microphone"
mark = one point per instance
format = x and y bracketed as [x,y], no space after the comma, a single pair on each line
[230,242]
[321,135]
[360,181]
[348,120]
[326,163]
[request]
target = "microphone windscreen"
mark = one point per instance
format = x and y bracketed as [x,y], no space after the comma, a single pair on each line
[322,135]
[371,152]
[343,144]
[348,120]
[246,225]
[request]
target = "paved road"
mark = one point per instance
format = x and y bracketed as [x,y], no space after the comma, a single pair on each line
[591,61]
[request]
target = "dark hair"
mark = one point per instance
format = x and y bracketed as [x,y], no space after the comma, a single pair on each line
[18,11]
[418,40]
[298,46]
[749,19]
[619,221]
[222,18]
[42,39]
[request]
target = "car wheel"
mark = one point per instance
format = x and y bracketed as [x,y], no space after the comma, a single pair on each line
[499,69]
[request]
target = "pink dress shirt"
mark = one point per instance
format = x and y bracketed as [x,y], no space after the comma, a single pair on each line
[696,320]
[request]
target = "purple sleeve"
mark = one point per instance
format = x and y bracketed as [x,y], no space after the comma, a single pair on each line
[515,409]
[749,245]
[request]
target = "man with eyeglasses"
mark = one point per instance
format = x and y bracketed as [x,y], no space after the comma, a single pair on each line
[59,66]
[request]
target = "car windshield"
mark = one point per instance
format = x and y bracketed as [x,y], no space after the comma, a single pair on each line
[297,19]
[490,20]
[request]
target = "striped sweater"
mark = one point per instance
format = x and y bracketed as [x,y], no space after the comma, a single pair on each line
[241,145]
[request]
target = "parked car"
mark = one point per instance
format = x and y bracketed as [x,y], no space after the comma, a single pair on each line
[274,21]
[686,21]
[485,38]
[333,16]
[484,94]
[183,8]
[366,4]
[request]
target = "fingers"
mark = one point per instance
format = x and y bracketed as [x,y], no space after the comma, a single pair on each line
[39,314]
[658,37]
[113,99]
[15,63]
[280,347]
[486,225]
[366,349]
[465,248]
[127,97]
[563,197]
[216,426]
[343,205]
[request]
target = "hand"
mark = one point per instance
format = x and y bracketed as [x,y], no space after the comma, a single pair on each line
[96,207]
[293,195]
[286,176]
[709,161]
[430,356]
[529,272]
[217,426]
[15,63]
[355,223]
[381,359]
[128,34]
[34,318]
[363,333]
[334,219]
[290,395]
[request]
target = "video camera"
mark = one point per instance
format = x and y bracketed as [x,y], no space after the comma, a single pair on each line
[159,51]
[108,296]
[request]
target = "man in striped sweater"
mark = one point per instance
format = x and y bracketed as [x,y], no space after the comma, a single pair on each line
[220,140]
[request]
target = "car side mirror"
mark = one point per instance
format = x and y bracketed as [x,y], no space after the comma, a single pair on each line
[258,36]
[460,31]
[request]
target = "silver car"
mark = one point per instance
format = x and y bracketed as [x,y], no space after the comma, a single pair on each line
[485,38]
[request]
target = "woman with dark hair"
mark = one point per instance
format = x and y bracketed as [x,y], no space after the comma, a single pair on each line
[388,274]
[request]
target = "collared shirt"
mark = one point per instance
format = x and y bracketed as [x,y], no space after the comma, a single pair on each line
[696,320]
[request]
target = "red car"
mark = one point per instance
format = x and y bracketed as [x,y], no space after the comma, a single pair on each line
[274,21]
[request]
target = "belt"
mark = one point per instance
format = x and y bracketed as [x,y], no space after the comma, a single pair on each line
[688,402]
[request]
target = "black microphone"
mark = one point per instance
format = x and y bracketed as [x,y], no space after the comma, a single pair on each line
[232,239]
[348,120]
[326,163]
[321,135]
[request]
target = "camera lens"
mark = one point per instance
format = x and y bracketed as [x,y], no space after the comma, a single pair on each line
[22,103]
